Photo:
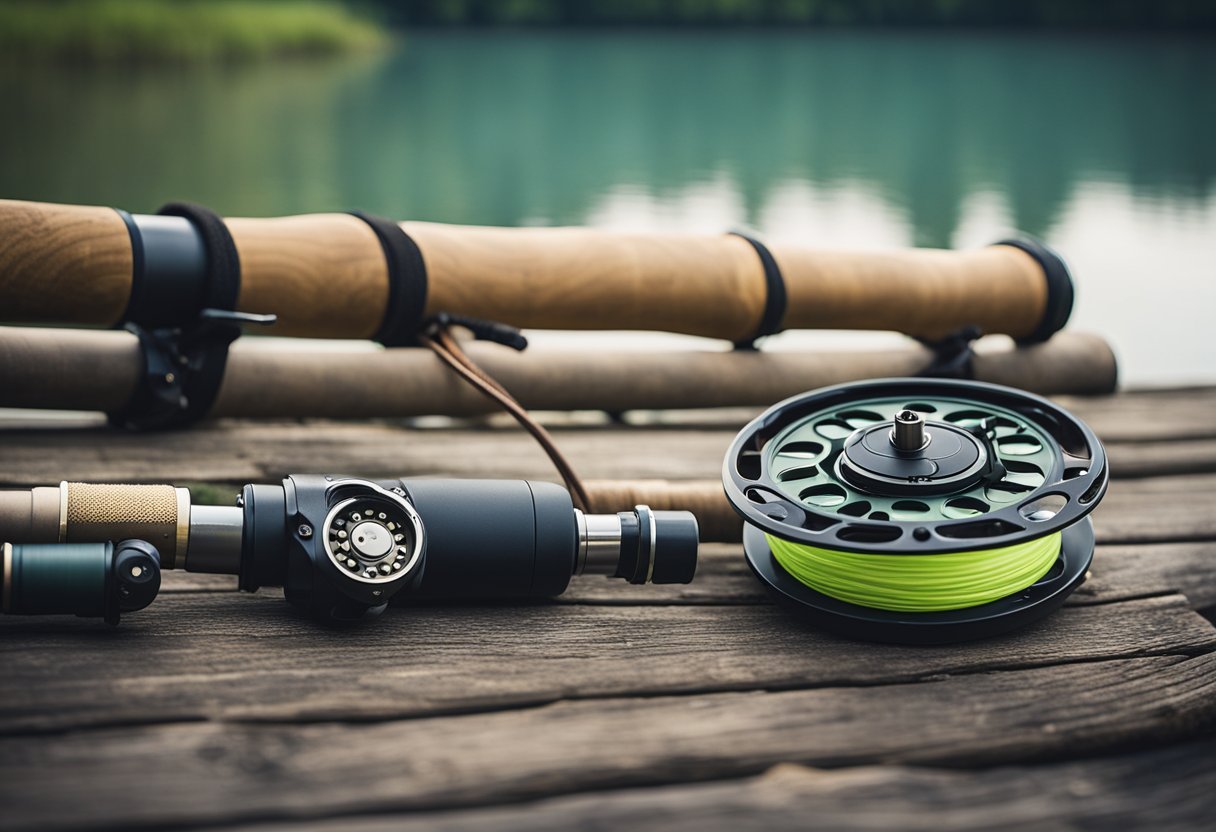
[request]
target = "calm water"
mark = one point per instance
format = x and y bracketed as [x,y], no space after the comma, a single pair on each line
[1103,146]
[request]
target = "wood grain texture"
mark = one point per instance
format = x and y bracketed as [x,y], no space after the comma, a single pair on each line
[1165,415]
[290,669]
[63,263]
[606,707]
[270,449]
[579,278]
[193,773]
[923,292]
[1160,790]
[324,275]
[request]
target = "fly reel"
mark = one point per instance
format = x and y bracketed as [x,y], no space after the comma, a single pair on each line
[918,510]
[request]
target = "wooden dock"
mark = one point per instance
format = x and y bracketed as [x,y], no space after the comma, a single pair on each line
[689,708]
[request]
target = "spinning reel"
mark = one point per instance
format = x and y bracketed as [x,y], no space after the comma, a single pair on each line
[341,548]
[918,510]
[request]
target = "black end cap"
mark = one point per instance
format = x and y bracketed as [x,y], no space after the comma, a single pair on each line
[676,540]
[1059,288]
[136,571]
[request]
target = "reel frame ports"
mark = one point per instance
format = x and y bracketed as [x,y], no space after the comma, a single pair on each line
[1023,469]
[375,538]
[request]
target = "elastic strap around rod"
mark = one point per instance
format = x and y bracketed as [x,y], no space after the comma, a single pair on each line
[775,298]
[222,280]
[407,283]
[182,380]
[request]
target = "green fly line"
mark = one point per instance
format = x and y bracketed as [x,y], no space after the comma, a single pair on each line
[918,583]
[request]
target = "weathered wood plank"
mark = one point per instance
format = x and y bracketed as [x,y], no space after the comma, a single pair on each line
[257,451]
[1159,790]
[207,772]
[1129,416]
[1122,572]
[1132,513]
[1161,459]
[1135,415]
[250,658]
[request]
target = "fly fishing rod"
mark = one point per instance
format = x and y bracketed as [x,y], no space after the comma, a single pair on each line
[109,370]
[341,548]
[361,277]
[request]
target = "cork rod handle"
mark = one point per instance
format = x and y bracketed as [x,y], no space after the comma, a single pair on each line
[325,275]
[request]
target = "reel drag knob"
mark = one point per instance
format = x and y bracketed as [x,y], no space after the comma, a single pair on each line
[374,537]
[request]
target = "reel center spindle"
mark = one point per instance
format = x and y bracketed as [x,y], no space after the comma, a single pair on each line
[908,435]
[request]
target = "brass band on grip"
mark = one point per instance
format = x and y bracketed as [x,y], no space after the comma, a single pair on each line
[326,275]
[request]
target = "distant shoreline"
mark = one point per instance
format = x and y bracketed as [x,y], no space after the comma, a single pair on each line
[118,31]
[142,31]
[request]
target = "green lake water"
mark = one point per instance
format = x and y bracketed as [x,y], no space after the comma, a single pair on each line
[1105,146]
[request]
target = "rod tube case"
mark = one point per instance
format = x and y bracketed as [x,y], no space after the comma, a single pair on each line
[100,370]
[335,276]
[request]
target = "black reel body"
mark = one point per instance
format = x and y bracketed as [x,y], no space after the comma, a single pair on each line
[898,467]
[343,548]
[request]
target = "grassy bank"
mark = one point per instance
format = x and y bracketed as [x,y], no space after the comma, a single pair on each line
[179,30]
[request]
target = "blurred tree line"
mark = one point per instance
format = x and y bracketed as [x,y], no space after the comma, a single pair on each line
[1121,14]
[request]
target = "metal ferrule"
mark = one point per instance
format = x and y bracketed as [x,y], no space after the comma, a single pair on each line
[215,540]
[599,549]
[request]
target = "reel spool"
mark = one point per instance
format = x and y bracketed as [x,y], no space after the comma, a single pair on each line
[918,511]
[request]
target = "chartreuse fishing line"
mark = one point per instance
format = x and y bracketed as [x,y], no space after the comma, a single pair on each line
[918,510]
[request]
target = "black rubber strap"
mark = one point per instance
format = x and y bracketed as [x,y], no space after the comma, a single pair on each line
[952,355]
[774,298]
[1059,288]
[407,283]
[184,366]
[222,284]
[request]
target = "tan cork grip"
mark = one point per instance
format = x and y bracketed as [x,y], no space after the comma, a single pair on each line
[580,278]
[324,275]
[928,293]
[63,263]
[159,514]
